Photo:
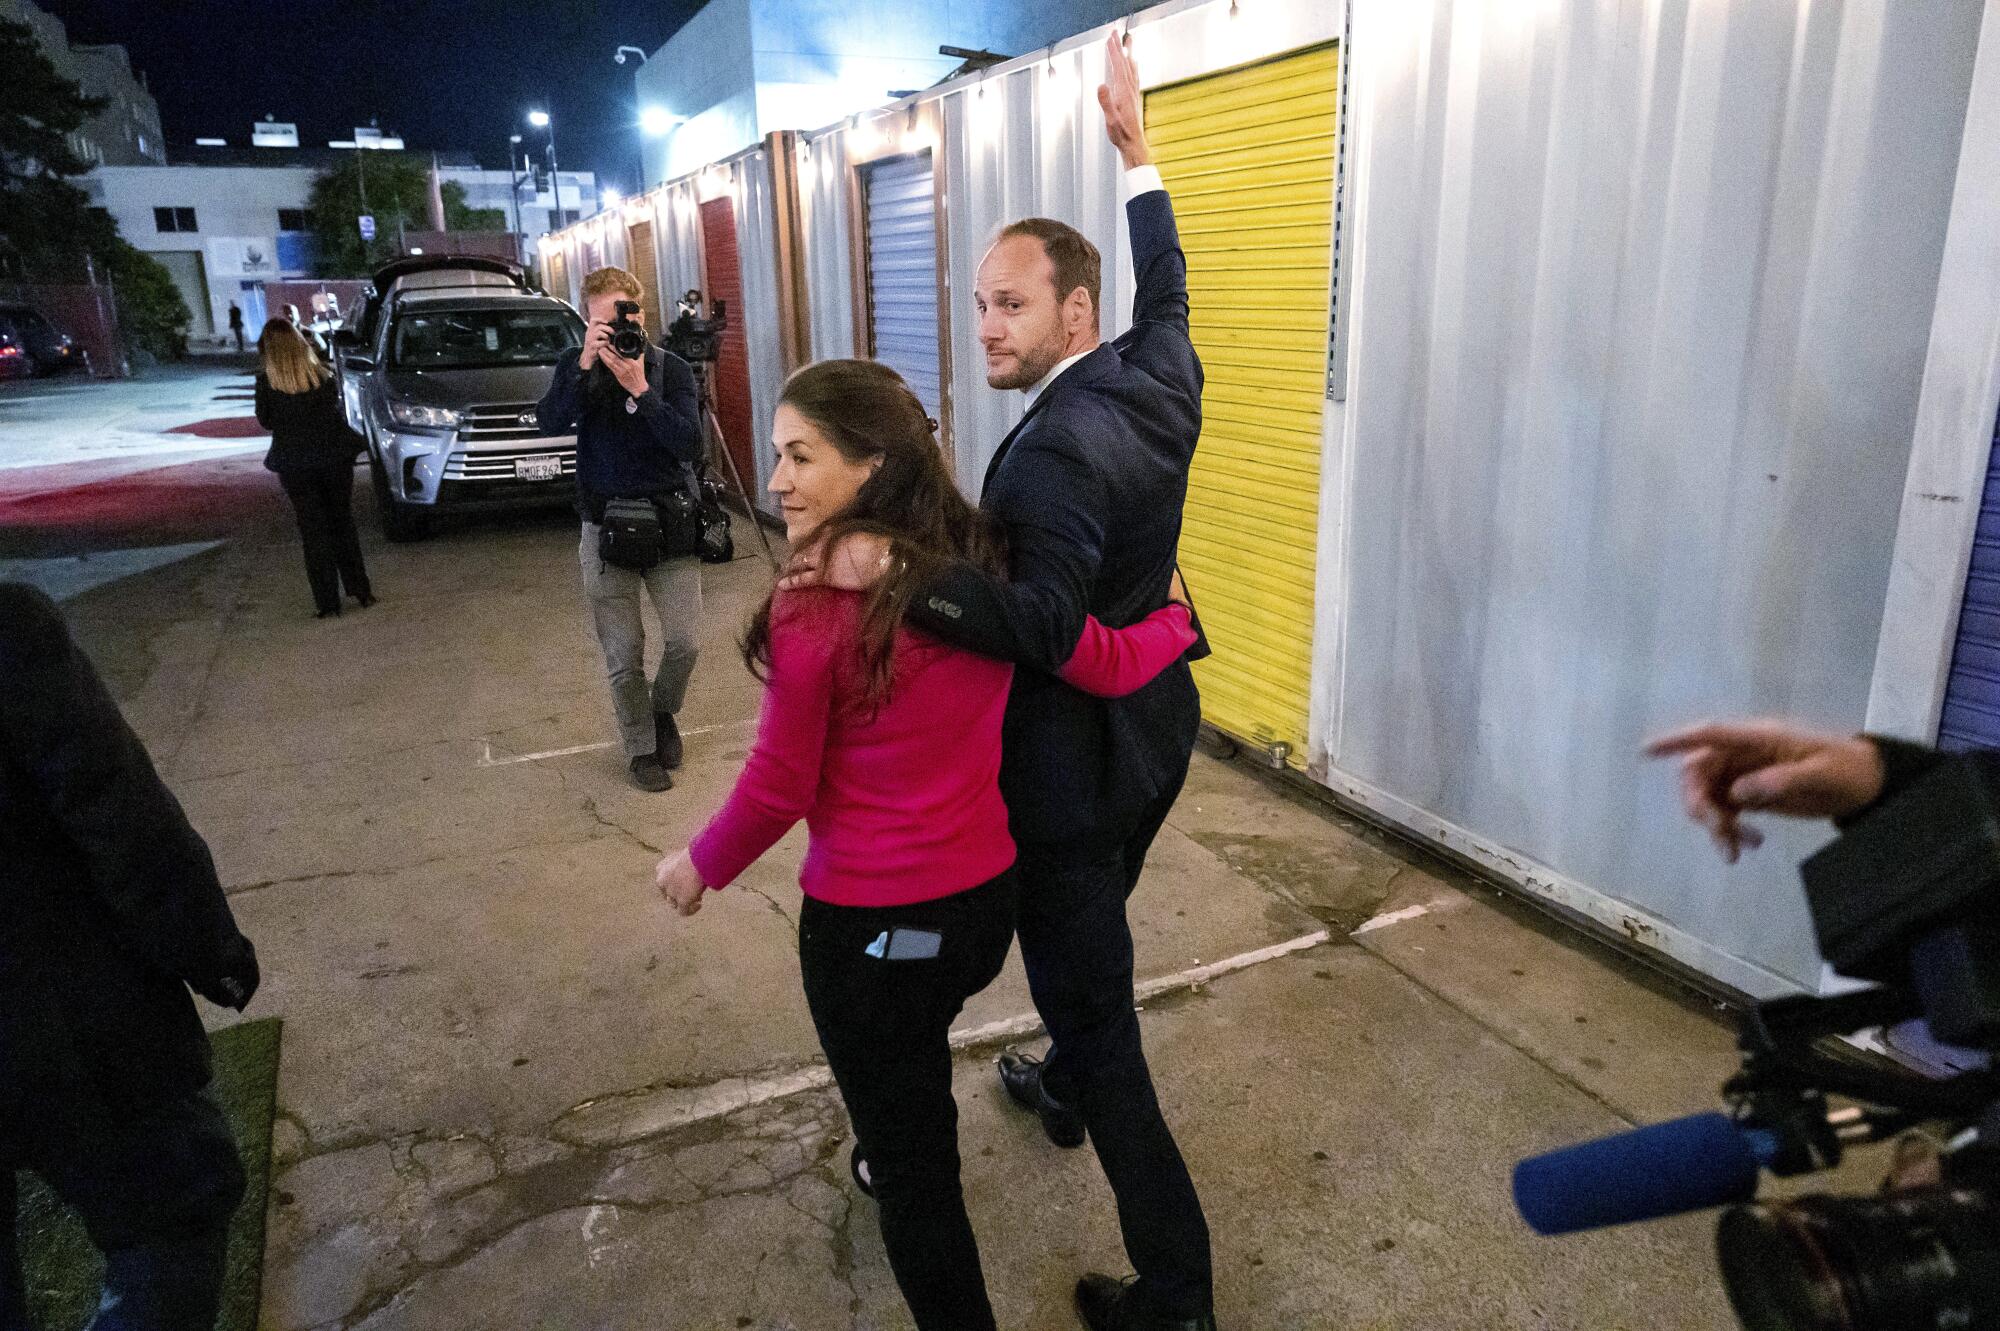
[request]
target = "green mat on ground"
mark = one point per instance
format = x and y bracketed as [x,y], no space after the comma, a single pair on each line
[63,1270]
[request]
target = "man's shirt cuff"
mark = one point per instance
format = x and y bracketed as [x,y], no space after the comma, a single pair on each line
[1142,180]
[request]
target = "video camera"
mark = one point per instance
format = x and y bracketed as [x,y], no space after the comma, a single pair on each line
[696,340]
[1908,897]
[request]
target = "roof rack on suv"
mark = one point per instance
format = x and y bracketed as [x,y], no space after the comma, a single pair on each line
[391,276]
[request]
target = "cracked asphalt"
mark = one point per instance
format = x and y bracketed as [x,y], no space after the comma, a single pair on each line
[517,1092]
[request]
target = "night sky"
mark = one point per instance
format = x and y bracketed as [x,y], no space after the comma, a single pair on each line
[457,75]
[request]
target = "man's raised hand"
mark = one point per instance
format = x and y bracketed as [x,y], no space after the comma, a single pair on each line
[1124,106]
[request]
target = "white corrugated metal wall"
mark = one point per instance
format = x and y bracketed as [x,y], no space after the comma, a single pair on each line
[1642,297]
[757,241]
[677,232]
[826,246]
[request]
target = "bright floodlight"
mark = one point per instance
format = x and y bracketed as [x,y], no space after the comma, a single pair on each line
[538,118]
[658,120]
[610,195]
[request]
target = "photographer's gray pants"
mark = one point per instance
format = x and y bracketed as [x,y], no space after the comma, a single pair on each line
[675,588]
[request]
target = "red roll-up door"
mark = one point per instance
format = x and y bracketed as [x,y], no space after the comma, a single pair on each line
[723,280]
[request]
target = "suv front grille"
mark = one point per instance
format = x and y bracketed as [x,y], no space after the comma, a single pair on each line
[498,464]
[498,424]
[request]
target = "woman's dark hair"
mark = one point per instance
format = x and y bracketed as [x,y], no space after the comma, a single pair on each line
[866,411]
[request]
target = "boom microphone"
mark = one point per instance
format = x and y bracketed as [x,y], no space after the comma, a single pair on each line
[1685,1164]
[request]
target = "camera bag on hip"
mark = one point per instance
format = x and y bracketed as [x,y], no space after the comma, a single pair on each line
[631,535]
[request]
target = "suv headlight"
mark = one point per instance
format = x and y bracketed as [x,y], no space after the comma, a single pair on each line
[432,418]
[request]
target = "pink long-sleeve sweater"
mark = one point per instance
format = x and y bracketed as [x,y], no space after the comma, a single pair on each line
[902,801]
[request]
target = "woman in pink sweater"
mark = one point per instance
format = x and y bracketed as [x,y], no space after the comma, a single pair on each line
[887,742]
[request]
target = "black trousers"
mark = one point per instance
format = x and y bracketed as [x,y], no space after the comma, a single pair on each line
[885,1026]
[156,1196]
[1077,946]
[323,501]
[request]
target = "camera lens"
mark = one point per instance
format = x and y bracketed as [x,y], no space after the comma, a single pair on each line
[1923,1260]
[629,342]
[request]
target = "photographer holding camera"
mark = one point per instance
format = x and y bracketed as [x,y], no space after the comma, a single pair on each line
[638,441]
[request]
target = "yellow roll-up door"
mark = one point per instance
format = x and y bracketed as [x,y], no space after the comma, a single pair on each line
[1249,158]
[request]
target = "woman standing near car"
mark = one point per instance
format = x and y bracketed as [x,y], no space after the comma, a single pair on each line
[313,452]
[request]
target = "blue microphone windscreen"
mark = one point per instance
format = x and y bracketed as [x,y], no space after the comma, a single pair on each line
[1663,1169]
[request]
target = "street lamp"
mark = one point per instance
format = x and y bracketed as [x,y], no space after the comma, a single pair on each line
[540,120]
[620,57]
[514,191]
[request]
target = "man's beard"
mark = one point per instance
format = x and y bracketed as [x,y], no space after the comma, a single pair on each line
[1030,368]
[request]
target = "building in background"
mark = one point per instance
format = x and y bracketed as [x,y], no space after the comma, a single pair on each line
[127,131]
[741,69]
[232,219]
[508,191]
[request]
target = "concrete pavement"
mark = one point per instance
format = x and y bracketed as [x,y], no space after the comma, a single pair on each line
[518,1092]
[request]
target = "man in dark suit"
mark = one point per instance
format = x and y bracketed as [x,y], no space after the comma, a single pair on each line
[1090,486]
[110,911]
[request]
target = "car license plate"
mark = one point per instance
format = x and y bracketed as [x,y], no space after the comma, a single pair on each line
[537,469]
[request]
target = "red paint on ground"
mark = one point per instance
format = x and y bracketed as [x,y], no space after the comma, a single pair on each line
[205,500]
[222,427]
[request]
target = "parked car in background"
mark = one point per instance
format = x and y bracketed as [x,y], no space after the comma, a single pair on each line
[440,370]
[46,347]
[15,362]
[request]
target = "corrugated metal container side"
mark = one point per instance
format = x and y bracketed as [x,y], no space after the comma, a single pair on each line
[757,244]
[826,246]
[1642,300]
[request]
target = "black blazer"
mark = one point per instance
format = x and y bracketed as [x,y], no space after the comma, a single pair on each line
[309,432]
[108,898]
[1090,487]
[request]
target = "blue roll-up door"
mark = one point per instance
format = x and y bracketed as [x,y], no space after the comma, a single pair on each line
[1972,695]
[903,273]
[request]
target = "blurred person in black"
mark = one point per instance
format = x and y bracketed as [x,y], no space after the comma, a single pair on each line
[638,436]
[110,911]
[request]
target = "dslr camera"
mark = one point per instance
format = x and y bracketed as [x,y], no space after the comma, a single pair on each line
[695,339]
[1908,898]
[628,336]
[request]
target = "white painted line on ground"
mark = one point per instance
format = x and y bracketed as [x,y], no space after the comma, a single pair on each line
[644,1114]
[490,761]
[1394,917]
[1193,978]
[1198,976]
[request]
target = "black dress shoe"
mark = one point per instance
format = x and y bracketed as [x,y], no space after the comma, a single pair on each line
[365,600]
[1021,1074]
[668,738]
[330,612]
[648,774]
[1105,1304]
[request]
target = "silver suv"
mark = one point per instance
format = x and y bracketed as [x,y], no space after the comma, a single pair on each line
[440,370]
